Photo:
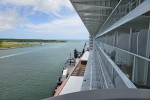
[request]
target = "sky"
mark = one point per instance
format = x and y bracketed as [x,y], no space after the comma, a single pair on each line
[40,19]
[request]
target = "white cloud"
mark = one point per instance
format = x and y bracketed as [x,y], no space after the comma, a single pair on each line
[10,19]
[69,25]
[46,6]
[68,21]
[66,26]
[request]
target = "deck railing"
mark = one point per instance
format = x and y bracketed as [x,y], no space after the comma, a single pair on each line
[117,77]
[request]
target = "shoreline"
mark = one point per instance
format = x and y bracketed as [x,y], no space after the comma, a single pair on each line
[19,47]
[22,43]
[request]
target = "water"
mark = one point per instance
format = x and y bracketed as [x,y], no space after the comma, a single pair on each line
[31,73]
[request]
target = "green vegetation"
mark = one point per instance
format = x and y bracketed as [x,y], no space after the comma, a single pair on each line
[16,43]
[1,43]
[30,40]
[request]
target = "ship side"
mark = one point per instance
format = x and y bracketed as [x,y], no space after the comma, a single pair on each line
[118,61]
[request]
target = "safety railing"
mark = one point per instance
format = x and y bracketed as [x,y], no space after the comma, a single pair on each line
[118,78]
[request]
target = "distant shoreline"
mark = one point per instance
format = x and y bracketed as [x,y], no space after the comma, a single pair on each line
[21,43]
[31,40]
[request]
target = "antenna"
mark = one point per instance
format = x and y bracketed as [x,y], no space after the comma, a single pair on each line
[70,55]
[83,48]
[70,59]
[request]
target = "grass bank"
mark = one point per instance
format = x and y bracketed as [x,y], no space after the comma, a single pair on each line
[30,40]
[16,45]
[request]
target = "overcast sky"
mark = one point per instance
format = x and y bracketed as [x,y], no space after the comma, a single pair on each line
[40,19]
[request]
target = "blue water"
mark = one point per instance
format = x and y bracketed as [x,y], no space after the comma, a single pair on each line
[32,73]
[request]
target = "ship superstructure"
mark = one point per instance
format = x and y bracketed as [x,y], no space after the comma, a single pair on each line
[120,42]
[119,56]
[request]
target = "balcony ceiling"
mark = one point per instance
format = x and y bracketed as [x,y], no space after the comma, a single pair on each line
[93,13]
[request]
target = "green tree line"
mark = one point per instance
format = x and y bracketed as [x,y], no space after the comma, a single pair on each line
[29,40]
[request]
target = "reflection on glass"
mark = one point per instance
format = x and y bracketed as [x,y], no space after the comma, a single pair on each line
[135,68]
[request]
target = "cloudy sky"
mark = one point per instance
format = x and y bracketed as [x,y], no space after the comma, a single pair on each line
[40,19]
